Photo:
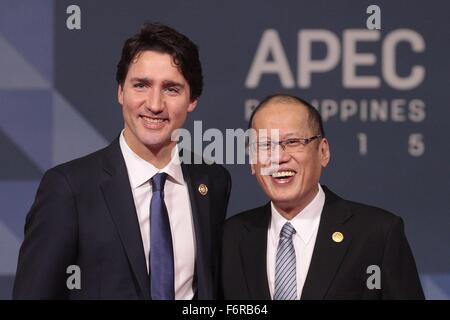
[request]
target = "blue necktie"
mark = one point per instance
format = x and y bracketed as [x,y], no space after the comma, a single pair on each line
[161,249]
[285,269]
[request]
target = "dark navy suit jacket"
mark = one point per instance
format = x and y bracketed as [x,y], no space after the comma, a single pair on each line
[338,270]
[84,215]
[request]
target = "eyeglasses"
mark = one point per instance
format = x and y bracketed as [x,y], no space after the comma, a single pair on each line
[289,145]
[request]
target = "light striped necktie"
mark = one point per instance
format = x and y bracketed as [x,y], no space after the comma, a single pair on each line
[285,269]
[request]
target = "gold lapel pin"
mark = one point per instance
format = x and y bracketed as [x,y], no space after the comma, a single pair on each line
[203,189]
[337,237]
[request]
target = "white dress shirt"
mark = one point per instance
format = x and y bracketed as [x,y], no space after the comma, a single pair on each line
[306,225]
[176,197]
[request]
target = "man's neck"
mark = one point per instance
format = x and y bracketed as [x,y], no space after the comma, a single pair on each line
[159,157]
[289,212]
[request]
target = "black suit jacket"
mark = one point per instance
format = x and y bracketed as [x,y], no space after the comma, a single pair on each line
[372,236]
[84,215]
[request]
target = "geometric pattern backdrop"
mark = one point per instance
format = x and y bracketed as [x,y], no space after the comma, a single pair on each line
[50,112]
[36,121]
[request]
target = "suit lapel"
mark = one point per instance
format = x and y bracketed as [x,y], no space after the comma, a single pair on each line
[200,205]
[119,199]
[253,252]
[328,254]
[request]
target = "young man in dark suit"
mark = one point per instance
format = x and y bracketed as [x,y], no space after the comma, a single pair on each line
[307,242]
[134,219]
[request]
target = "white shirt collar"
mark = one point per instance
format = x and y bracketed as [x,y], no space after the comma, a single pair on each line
[305,223]
[141,171]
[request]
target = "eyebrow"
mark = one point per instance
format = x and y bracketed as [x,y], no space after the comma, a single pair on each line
[166,83]
[293,135]
[170,83]
[290,135]
[137,79]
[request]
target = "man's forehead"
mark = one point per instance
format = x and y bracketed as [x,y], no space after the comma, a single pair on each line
[281,114]
[151,69]
[142,58]
[275,110]
[147,52]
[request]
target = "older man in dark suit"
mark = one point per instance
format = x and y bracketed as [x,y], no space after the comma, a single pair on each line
[307,242]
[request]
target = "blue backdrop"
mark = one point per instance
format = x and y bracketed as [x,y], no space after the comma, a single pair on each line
[384,96]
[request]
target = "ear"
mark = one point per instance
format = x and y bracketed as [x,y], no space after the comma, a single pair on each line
[253,170]
[120,94]
[192,105]
[324,150]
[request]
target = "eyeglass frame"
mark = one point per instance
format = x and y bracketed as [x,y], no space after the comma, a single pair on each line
[283,143]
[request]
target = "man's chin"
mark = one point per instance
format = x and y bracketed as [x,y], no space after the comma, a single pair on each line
[282,201]
[158,144]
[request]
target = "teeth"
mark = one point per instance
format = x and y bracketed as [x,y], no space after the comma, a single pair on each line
[152,120]
[281,174]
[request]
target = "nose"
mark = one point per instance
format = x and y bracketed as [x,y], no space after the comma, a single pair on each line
[155,101]
[280,155]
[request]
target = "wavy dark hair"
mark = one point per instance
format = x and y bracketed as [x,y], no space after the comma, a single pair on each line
[161,38]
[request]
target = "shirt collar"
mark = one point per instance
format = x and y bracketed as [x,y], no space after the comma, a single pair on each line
[141,171]
[305,223]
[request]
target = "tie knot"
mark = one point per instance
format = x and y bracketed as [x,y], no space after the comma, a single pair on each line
[287,231]
[158,181]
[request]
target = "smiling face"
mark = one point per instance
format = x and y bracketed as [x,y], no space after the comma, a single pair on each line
[293,184]
[155,99]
